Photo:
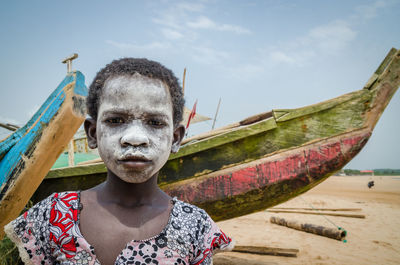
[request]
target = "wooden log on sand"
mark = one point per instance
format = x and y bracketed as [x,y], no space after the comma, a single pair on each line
[310,228]
[229,260]
[320,209]
[317,213]
[286,252]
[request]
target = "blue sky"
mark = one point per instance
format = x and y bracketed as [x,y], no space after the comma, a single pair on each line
[255,55]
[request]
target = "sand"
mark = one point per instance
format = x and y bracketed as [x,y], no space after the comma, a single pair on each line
[373,240]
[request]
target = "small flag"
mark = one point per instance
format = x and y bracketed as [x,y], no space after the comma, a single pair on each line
[192,114]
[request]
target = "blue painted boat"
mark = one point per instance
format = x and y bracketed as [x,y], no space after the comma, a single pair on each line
[27,155]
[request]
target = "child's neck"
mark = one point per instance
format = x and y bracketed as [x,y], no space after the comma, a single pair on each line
[114,190]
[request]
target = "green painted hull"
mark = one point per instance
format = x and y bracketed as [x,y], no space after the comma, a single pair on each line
[281,132]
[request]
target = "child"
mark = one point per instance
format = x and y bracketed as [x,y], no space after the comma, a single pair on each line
[135,108]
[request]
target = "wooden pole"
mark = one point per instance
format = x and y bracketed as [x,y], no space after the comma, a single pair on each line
[320,209]
[71,155]
[216,113]
[68,60]
[235,260]
[8,127]
[183,81]
[310,228]
[287,252]
[317,213]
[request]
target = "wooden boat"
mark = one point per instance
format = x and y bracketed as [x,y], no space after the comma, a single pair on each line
[263,160]
[28,154]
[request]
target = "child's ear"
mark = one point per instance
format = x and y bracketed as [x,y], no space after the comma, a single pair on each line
[90,129]
[179,133]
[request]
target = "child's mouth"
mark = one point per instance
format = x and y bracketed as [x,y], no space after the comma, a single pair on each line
[134,162]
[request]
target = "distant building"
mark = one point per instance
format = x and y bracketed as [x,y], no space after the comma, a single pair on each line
[367,172]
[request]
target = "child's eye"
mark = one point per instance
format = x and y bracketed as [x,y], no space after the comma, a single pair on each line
[155,123]
[115,120]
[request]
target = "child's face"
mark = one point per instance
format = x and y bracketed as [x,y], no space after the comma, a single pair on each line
[135,129]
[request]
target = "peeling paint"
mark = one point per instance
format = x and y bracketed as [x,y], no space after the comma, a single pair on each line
[295,170]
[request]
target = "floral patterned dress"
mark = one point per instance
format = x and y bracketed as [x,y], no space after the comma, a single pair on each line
[48,233]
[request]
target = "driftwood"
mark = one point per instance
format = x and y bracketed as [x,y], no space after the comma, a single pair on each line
[317,213]
[310,228]
[320,209]
[287,252]
[221,259]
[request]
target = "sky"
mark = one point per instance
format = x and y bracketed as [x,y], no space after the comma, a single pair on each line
[254,55]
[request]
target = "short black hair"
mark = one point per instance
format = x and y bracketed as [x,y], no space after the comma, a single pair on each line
[142,66]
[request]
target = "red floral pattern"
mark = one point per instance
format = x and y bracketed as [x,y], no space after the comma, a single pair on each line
[63,217]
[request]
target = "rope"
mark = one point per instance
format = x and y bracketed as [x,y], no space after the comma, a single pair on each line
[326,218]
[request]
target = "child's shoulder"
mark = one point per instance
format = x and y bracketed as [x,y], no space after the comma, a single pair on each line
[186,209]
[196,228]
[36,220]
[187,219]
[39,229]
[59,201]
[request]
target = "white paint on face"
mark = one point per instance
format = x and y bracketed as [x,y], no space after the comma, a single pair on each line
[135,127]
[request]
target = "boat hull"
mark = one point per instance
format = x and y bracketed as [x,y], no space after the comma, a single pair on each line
[30,153]
[211,171]
[269,181]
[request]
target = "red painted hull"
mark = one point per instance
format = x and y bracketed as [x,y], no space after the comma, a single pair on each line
[271,180]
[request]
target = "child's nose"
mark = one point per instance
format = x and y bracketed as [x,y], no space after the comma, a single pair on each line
[135,136]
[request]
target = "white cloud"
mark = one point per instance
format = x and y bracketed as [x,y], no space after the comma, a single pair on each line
[281,57]
[189,6]
[168,20]
[324,39]
[171,34]
[234,28]
[204,22]
[331,37]
[209,55]
[130,46]
[175,16]
[369,11]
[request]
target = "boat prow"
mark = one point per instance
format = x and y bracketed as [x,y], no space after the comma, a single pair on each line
[28,154]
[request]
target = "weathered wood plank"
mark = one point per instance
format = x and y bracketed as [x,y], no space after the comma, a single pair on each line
[221,259]
[224,138]
[319,209]
[260,250]
[318,213]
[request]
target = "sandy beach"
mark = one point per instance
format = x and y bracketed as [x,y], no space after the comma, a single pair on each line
[373,240]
